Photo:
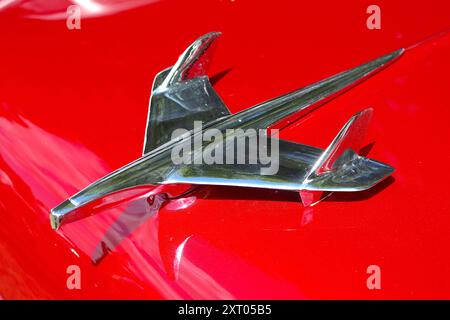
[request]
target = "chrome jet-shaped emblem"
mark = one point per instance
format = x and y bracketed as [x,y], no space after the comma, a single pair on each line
[183,94]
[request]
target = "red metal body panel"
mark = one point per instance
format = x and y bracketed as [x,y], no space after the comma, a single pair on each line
[73,107]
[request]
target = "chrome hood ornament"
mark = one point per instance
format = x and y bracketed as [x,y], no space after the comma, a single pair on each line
[183,94]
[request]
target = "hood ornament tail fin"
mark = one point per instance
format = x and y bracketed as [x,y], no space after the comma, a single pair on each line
[183,94]
[340,168]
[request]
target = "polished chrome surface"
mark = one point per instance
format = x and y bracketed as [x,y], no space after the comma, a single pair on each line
[183,94]
[301,167]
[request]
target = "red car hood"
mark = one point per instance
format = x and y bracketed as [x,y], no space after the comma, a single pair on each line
[73,107]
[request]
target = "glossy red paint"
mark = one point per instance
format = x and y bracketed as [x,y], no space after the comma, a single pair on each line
[73,107]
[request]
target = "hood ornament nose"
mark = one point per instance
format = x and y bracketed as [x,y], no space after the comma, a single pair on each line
[183,95]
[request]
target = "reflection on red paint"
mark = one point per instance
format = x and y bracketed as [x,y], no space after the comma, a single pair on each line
[56,10]
[52,167]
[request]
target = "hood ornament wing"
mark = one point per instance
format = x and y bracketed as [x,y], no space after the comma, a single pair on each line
[182,94]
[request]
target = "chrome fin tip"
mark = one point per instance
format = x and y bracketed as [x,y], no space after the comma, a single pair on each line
[351,136]
[399,52]
[340,168]
[390,57]
[183,92]
[190,64]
